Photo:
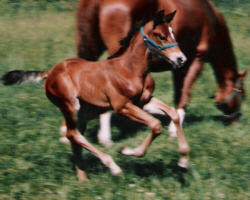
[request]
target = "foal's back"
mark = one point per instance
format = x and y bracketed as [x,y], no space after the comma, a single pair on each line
[78,78]
[93,82]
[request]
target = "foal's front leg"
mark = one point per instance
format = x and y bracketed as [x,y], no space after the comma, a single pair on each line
[155,106]
[135,113]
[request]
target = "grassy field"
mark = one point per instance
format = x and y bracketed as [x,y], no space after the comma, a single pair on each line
[34,165]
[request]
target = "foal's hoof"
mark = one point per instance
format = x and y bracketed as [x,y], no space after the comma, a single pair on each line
[131,152]
[127,151]
[82,176]
[117,172]
[183,163]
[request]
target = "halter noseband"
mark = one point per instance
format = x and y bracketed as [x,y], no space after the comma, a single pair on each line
[150,43]
[235,93]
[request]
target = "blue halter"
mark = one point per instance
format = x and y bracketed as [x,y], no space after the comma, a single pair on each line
[150,43]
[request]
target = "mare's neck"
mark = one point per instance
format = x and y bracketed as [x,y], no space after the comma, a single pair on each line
[226,74]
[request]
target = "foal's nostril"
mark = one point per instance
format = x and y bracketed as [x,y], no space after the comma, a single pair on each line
[180,61]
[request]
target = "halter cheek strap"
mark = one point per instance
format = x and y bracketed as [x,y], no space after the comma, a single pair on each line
[150,43]
[235,93]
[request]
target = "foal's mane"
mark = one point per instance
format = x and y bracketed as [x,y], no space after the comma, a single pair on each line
[159,18]
[124,43]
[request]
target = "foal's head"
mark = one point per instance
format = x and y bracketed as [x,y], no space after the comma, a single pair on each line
[158,37]
[160,40]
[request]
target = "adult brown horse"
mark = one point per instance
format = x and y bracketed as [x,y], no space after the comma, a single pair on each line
[199,29]
[82,89]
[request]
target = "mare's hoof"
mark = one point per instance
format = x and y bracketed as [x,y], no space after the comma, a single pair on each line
[172,130]
[106,143]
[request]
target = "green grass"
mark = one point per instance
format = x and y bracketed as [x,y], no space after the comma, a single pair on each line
[34,165]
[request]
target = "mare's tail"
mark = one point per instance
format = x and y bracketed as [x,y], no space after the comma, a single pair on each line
[19,76]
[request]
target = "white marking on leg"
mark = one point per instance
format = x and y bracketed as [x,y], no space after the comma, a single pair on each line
[63,131]
[104,133]
[172,128]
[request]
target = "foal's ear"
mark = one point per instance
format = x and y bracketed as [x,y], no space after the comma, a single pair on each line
[168,18]
[159,18]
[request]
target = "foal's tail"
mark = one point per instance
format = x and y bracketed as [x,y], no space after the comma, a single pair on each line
[19,76]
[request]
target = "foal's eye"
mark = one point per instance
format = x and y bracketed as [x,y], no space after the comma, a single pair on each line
[162,38]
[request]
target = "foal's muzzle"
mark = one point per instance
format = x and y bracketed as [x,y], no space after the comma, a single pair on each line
[177,59]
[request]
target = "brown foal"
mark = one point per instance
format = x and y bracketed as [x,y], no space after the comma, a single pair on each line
[82,90]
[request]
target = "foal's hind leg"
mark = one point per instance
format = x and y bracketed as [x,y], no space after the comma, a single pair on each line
[63,132]
[69,110]
[77,151]
[155,106]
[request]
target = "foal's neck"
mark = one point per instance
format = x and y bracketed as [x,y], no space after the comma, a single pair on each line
[136,56]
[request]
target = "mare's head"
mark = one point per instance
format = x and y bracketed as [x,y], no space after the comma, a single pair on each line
[228,99]
[160,40]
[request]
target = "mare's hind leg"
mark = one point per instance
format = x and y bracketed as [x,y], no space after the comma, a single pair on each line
[119,19]
[155,106]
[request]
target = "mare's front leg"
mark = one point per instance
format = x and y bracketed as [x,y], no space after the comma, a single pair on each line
[104,132]
[155,106]
[135,113]
[183,87]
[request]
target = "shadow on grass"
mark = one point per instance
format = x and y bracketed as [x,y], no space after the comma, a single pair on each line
[138,167]
[191,118]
